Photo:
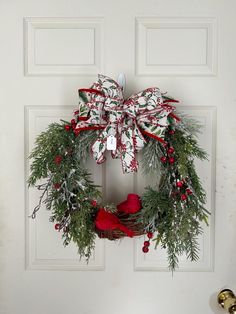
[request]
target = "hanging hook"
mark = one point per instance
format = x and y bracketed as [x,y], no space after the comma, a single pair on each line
[121,80]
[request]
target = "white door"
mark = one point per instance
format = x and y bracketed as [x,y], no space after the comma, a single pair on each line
[49,49]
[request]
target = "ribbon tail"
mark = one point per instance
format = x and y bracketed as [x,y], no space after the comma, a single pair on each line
[100,145]
[128,160]
[98,150]
[132,141]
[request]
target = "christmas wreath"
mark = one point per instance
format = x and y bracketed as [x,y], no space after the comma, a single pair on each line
[169,214]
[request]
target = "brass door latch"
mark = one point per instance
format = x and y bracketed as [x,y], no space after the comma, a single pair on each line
[227,300]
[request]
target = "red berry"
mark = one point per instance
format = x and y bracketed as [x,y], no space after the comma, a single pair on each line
[163,159]
[57,186]
[179,184]
[146,243]
[171,132]
[183,197]
[170,150]
[58,159]
[189,192]
[171,160]
[72,121]
[94,203]
[76,132]
[67,127]
[150,235]
[145,249]
[57,226]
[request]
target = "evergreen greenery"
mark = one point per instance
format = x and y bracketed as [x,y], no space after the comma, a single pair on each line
[68,191]
[177,222]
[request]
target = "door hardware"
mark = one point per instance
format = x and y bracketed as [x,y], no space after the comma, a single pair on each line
[227,300]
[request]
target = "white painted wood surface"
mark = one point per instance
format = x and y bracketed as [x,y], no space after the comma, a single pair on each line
[49,49]
[176,46]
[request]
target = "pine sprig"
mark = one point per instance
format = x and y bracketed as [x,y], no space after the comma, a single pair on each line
[150,157]
[188,124]
[176,220]
[69,191]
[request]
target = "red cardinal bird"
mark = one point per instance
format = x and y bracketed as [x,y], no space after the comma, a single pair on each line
[131,205]
[108,221]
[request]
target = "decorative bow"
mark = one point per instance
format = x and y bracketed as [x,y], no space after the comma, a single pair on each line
[102,107]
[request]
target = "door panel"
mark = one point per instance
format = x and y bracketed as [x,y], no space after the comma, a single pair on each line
[49,49]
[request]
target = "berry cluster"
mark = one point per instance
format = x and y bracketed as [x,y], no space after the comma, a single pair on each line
[72,126]
[184,190]
[169,158]
[170,151]
[146,243]
[58,227]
